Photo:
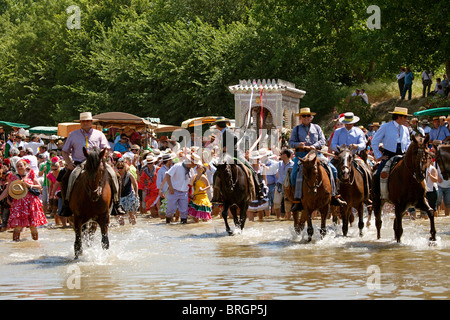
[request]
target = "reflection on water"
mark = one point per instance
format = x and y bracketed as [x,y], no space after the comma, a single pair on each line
[152,260]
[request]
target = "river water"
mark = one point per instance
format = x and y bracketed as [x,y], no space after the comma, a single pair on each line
[199,261]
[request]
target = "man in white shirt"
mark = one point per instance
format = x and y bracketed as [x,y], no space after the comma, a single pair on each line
[401,79]
[426,83]
[364,96]
[178,177]
[33,160]
[34,144]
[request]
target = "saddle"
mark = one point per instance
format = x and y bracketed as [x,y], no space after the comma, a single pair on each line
[73,178]
[384,176]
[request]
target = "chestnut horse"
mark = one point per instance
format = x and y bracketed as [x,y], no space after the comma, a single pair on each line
[234,190]
[407,188]
[91,199]
[352,189]
[316,194]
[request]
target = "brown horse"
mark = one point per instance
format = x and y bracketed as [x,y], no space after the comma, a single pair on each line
[443,160]
[407,188]
[234,190]
[351,187]
[316,194]
[91,199]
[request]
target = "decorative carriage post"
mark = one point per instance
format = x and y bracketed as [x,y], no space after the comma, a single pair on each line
[280,101]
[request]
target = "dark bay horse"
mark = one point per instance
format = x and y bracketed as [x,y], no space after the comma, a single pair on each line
[407,188]
[316,194]
[235,193]
[91,199]
[353,187]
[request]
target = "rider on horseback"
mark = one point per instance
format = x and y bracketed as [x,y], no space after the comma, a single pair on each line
[395,138]
[303,138]
[86,137]
[229,149]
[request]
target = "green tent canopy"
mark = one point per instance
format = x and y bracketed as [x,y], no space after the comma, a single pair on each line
[44,130]
[12,124]
[433,112]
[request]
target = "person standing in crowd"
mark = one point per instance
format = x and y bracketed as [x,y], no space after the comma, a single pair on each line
[128,196]
[271,169]
[55,202]
[33,160]
[415,129]
[259,206]
[178,178]
[199,206]
[425,127]
[443,191]
[122,145]
[409,77]
[26,208]
[364,96]
[5,203]
[279,196]
[401,80]
[439,132]
[426,83]
[431,179]
[148,180]
[167,162]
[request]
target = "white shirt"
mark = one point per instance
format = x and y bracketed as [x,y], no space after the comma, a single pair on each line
[428,183]
[33,163]
[365,97]
[444,183]
[401,75]
[180,177]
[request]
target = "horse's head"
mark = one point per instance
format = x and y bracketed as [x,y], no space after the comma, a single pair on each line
[345,159]
[94,159]
[309,162]
[416,156]
[226,176]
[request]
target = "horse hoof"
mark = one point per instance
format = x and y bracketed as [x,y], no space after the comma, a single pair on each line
[432,243]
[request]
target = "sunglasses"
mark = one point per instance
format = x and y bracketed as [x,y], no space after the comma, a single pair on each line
[306,115]
[119,168]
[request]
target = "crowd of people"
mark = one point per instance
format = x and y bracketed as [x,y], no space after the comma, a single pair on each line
[176,183]
[405,81]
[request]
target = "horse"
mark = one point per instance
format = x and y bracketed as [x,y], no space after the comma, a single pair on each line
[443,160]
[316,194]
[353,187]
[91,199]
[235,193]
[407,188]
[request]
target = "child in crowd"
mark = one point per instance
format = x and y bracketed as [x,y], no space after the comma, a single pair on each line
[199,206]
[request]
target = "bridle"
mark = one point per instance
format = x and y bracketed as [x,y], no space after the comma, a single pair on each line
[346,166]
[317,183]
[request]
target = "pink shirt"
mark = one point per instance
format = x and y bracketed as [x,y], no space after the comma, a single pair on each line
[77,140]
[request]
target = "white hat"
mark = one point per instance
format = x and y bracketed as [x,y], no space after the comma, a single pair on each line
[195,158]
[256,155]
[349,118]
[150,159]
[84,116]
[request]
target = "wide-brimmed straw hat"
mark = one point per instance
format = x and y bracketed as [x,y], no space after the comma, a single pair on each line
[256,155]
[84,116]
[168,156]
[221,120]
[349,118]
[375,124]
[305,111]
[195,158]
[400,111]
[17,189]
[150,158]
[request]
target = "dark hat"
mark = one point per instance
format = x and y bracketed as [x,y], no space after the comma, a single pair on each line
[221,120]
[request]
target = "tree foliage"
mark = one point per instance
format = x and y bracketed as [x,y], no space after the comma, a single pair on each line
[174,59]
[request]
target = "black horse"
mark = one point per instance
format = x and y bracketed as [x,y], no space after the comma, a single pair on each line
[234,191]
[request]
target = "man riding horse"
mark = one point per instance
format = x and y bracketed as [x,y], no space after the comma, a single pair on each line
[229,153]
[394,136]
[303,138]
[72,152]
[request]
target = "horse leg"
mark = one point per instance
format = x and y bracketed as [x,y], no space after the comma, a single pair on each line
[377,205]
[233,210]
[78,244]
[369,215]
[361,218]
[310,229]
[423,205]
[225,218]
[296,217]
[88,231]
[243,214]
[398,229]
[323,222]
[344,216]
[104,230]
